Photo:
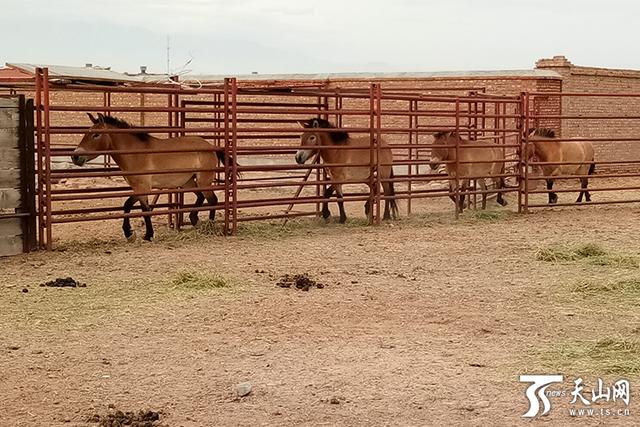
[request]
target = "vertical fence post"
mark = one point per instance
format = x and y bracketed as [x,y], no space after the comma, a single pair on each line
[413,123]
[39,156]
[234,150]
[372,137]
[378,143]
[525,151]
[227,153]
[47,156]
[457,186]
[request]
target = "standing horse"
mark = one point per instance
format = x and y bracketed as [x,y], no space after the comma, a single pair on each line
[310,139]
[203,161]
[543,147]
[473,162]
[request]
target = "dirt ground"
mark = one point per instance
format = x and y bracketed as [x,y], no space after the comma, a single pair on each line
[424,321]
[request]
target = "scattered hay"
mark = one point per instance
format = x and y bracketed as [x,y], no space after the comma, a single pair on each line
[204,229]
[489,216]
[592,253]
[565,253]
[615,356]
[200,280]
[626,288]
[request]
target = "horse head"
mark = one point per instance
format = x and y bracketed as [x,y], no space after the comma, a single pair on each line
[92,141]
[440,151]
[311,139]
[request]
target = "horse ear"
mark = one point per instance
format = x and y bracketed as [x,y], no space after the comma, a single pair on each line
[93,119]
[302,123]
[315,123]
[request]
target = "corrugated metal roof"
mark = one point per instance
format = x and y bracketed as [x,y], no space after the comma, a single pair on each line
[79,73]
[535,73]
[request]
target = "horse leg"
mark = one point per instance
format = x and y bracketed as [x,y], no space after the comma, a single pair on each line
[326,213]
[452,187]
[553,197]
[212,199]
[483,188]
[499,184]
[126,223]
[387,192]
[339,194]
[193,215]
[463,189]
[144,202]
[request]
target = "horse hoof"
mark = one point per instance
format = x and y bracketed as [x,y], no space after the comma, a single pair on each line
[343,220]
[132,238]
[147,238]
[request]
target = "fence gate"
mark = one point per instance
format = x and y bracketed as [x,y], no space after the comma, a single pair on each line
[17,187]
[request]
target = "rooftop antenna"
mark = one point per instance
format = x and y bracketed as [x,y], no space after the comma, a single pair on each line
[168,57]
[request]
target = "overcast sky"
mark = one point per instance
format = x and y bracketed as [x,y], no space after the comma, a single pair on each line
[287,36]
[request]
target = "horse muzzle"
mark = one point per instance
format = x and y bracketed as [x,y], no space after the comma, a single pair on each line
[78,160]
[301,157]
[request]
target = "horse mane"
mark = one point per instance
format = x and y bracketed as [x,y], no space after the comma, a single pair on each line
[445,134]
[337,136]
[122,124]
[544,132]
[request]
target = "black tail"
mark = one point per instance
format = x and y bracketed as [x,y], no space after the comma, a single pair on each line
[592,169]
[392,193]
[222,159]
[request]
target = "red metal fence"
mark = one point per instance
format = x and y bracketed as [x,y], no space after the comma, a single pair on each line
[258,126]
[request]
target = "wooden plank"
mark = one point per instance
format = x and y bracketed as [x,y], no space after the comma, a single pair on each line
[9,118]
[11,245]
[10,198]
[10,178]
[9,138]
[10,158]
[9,102]
[10,227]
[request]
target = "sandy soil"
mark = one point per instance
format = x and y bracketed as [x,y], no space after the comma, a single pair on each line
[425,321]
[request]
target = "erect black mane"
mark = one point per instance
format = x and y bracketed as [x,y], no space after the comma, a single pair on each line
[122,124]
[544,132]
[337,137]
[445,134]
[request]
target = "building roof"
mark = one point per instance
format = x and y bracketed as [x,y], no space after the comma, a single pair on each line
[535,73]
[24,72]
[87,73]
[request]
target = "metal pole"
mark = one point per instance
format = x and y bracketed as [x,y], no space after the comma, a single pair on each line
[525,152]
[372,137]
[227,166]
[234,146]
[412,124]
[47,158]
[40,155]
[457,188]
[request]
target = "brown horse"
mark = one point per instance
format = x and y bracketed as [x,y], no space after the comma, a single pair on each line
[203,161]
[310,139]
[474,162]
[544,148]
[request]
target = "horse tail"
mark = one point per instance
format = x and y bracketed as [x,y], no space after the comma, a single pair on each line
[392,193]
[592,168]
[222,157]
